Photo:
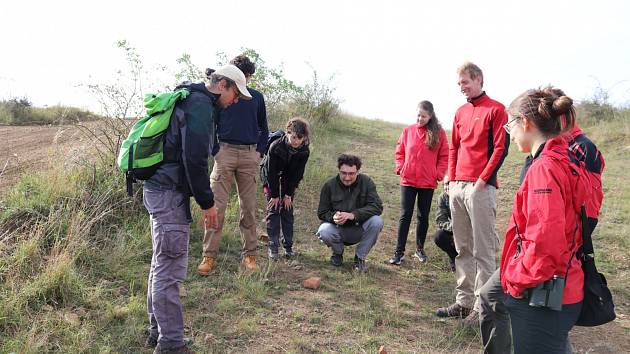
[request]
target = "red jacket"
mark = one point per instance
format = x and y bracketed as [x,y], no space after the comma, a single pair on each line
[584,150]
[546,215]
[417,165]
[478,141]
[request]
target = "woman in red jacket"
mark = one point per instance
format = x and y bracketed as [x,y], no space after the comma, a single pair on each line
[421,161]
[544,230]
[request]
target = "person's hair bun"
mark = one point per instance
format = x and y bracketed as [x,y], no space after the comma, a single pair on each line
[562,104]
[209,72]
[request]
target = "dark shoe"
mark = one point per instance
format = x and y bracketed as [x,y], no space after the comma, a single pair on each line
[472,320]
[455,310]
[150,342]
[336,260]
[288,253]
[273,255]
[397,259]
[180,350]
[422,257]
[451,263]
[359,265]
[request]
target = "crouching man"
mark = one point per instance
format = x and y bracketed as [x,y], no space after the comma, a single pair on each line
[350,209]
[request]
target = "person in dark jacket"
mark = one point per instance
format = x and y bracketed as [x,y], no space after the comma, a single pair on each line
[350,209]
[284,166]
[242,138]
[184,173]
[443,237]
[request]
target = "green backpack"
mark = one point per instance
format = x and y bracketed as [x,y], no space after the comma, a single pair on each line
[143,151]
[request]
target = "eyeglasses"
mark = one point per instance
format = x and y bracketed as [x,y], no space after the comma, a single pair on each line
[508,126]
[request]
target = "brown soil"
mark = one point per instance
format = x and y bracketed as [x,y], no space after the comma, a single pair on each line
[29,148]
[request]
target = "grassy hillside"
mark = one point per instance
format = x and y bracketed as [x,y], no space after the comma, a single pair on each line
[75,252]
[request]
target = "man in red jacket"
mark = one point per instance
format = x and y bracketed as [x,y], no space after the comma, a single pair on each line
[478,147]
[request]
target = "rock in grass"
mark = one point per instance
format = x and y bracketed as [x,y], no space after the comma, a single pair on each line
[312,283]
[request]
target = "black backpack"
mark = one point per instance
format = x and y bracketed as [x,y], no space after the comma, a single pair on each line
[264,163]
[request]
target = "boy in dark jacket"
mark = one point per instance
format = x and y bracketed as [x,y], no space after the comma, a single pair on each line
[282,170]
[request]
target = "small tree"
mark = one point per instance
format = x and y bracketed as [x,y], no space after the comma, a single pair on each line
[316,101]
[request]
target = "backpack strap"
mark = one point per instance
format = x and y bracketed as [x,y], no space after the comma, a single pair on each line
[586,251]
[130,177]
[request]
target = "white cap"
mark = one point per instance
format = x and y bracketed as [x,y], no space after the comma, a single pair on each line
[235,74]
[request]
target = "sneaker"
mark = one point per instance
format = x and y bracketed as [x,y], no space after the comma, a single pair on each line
[288,253]
[206,266]
[336,259]
[359,265]
[181,350]
[451,263]
[455,310]
[249,262]
[422,257]
[397,259]
[273,255]
[472,320]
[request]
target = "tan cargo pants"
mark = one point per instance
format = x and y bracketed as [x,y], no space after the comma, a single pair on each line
[476,241]
[232,162]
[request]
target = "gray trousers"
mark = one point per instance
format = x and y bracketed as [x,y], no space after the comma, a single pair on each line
[336,237]
[170,231]
[494,319]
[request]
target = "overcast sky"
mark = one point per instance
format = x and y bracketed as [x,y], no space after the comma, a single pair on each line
[385,56]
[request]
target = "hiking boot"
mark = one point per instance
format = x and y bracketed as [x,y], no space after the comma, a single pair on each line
[472,320]
[422,257]
[451,263]
[288,253]
[206,266]
[397,259]
[359,265]
[455,310]
[273,255]
[181,350]
[336,260]
[249,262]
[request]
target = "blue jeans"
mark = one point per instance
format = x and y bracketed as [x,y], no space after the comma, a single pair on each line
[170,232]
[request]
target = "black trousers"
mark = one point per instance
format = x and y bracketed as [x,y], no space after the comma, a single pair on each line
[540,329]
[408,197]
[444,240]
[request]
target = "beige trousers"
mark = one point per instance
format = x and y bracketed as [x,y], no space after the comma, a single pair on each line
[476,241]
[232,162]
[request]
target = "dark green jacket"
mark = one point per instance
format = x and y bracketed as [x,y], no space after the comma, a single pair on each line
[360,199]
